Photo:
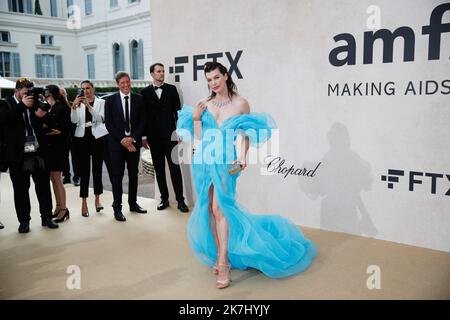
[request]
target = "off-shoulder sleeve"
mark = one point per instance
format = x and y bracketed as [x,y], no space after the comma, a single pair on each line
[257,126]
[185,123]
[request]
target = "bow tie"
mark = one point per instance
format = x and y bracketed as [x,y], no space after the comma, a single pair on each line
[156,88]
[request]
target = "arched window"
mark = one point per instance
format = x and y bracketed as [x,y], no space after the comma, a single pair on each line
[118,60]
[136,60]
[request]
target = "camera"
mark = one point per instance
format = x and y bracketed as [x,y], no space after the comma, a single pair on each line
[81,92]
[38,102]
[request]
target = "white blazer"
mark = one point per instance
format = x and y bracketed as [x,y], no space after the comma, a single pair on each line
[78,116]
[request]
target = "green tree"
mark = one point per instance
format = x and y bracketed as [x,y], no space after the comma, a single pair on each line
[37,8]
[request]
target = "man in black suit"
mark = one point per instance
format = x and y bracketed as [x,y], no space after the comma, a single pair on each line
[25,150]
[162,104]
[125,122]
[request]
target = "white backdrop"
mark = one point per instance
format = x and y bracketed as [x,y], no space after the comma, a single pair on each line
[286,72]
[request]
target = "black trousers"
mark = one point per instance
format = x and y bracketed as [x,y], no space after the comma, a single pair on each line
[73,150]
[118,161]
[21,185]
[161,150]
[87,152]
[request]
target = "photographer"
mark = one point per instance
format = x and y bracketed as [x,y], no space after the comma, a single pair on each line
[56,124]
[88,113]
[25,151]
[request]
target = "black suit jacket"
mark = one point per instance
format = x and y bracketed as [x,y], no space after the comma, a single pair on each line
[13,125]
[162,113]
[115,120]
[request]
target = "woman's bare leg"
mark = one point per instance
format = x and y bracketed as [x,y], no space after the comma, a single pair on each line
[60,192]
[223,278]
[53,179]
[212,220]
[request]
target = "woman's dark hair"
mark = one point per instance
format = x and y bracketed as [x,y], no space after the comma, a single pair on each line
[88,82]
[211,66]
[54,91]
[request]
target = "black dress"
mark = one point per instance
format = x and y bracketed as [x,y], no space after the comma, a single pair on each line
[58,117]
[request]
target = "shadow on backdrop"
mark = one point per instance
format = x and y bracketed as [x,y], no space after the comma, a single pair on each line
[342,178]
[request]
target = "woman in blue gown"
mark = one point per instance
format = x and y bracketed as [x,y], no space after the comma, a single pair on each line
[221,233]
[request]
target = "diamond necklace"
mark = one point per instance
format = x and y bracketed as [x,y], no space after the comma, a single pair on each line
[220,104]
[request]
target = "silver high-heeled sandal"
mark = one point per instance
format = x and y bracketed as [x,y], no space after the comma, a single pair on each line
[224,268]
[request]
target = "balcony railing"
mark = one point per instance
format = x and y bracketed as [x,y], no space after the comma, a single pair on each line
[73,83]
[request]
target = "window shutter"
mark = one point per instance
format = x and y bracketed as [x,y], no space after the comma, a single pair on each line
[121,58]
[91,66]
[15,65]
[28,7]
[140,58]
[59,67]
[38,62]
[132,62]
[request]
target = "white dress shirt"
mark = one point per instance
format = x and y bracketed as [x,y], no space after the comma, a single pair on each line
[122,98]
[158,91]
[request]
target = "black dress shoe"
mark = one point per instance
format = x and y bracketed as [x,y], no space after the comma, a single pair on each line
[76,181]
[49,223]
[137,208]
[1,225]
[24,227]
[119,216]
[163,205]
[182,206]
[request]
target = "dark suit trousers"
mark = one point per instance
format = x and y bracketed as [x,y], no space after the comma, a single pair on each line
[118,160]
[160,151]
[21,186]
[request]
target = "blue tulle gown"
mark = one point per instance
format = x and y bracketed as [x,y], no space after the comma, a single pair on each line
[269,243]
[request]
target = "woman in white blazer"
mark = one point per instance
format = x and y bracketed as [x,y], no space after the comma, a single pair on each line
[90,138]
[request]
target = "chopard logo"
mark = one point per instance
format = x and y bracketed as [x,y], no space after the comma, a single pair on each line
[277,166]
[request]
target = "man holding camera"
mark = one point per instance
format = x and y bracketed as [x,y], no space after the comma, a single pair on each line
[25,152]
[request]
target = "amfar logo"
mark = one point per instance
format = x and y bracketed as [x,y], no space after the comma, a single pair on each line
[433,30]
[414,179]
[198,63]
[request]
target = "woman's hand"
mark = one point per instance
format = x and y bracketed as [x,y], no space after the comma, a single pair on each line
[201,107]
[241,161]
[53,132]
[76,103]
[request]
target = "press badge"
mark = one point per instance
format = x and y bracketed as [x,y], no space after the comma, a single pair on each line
[31,144]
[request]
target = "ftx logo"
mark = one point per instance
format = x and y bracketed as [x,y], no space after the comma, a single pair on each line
[198,60]
[415,178]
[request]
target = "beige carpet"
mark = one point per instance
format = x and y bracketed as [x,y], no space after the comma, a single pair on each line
[148,257]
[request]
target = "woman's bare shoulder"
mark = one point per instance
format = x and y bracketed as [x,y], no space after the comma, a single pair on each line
[242,104]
